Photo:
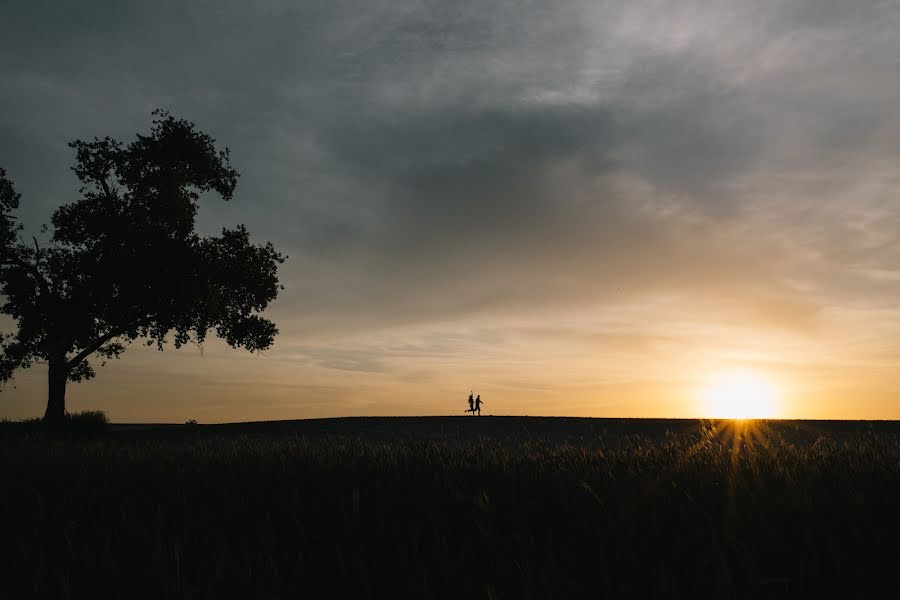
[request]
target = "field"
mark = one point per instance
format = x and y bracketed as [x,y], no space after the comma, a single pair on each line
[454,507]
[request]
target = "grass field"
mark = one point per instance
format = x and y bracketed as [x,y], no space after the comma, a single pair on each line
[452,508]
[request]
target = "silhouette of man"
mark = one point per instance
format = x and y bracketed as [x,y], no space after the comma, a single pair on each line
[471,404]
[478,404]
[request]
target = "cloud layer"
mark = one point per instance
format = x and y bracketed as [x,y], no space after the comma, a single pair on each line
[478,183]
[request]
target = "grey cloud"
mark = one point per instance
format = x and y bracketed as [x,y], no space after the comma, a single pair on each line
[424,160]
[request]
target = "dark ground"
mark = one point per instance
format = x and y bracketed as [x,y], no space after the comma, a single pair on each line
[453,507]
[553,430]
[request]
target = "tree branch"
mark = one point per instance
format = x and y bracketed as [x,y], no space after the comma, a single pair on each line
[41,280]
[94,346]
[105,186]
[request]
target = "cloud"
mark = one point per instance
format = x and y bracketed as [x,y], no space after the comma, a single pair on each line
[414,145]
[426,163]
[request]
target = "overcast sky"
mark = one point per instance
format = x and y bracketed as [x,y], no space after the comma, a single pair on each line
[580,208]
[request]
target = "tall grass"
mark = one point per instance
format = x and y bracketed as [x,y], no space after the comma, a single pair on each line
[700,515]
[84,423]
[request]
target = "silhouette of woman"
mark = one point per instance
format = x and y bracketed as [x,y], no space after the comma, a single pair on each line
[478,403]
[471,405]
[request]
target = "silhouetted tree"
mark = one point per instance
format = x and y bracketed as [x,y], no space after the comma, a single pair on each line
[124,261]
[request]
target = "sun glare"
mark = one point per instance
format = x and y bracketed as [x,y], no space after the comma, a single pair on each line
[740,394]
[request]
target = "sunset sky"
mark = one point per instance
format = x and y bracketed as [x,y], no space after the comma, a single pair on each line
[572,208]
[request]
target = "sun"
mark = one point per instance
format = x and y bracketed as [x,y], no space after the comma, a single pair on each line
[739,394]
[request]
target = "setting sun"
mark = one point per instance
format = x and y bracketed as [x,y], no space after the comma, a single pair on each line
[739,394]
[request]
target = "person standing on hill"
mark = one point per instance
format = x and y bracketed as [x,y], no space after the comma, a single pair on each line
[478,403]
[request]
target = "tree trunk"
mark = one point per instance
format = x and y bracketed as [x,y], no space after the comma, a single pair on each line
[57,376]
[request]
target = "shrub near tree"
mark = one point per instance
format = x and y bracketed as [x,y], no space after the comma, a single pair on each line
[125,262]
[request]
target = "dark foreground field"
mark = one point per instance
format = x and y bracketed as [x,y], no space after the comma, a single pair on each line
[454,508]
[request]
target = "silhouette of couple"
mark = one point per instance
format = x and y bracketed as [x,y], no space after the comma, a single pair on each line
[475,405]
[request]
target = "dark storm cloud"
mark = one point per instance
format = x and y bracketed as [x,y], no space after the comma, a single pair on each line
[421,160]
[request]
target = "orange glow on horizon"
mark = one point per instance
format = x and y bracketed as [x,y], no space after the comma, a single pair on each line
[740,394]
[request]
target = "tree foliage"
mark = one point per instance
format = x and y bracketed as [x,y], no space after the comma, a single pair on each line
[124,260]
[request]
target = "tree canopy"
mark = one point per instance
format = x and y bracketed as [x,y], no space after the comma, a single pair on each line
[124,260]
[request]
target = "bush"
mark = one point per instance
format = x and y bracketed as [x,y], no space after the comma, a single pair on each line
[91,422]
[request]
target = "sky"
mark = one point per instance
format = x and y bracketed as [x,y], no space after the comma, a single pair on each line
[572,208]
